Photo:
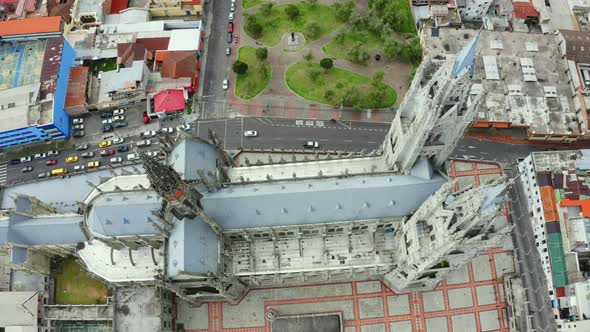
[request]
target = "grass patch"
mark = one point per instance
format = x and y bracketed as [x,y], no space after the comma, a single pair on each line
[74,286]
[368,40]
[102,65]
[403,6]
[342,83]
[257,77]
[251,3]
[278,23]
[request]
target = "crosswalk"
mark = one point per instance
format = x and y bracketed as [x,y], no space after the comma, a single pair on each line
[3,173]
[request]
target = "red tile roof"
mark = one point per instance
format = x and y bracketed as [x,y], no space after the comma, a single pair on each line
[178,64]
[129,52]
[154,44]
[30,26]
[191,2]
[76,94]
[170,100]
[118,5]
[584,204]
[524,10]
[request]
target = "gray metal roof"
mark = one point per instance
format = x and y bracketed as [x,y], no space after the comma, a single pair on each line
[123,213]
[319,201]
[18,255]
[191,155]
[42,230]
[192,247]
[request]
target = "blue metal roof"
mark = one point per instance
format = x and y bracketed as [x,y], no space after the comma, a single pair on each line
[192,247]
[123,213]
[318,201]
[43,230]
[191,155]
[465,59]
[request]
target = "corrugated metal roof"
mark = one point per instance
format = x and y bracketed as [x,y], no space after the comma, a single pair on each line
[76,93]
[192,247]
[30,26]
[42,230]
[318,201]
[192,155]
[558,267]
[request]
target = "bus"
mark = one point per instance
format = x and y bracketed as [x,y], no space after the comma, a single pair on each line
[59,171]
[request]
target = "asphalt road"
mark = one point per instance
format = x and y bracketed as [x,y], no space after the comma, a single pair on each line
[217,64]
[538,312]
[504,154]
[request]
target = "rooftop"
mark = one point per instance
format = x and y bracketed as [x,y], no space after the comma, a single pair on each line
[577,45]
[177,64]
[19,309]
[184,40]
[523,75]
[126,78]
[53,229]
[29,26]
[76,94]
[193,247]
[171,100]
[192,155]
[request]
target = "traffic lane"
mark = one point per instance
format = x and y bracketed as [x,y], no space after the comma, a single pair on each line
[505,154]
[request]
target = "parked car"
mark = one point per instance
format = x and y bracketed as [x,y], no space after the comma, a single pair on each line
[185,127]
[118,140]
[228,51]
[15,162]
[42,155]
[311,145]
[44,175]
[119,111]
[167,130]
[51,153]
[72,159]
[143,143]
[236,39]
[120,124]
[78,133]
[27,169]
[148,134]
[232,7]
[116,160]
[229,36]
[107,128]
[231,16]
[105,153]
[88,154]
[250,133]
[123,148]
[106,115]
[107,121]
[118,117]
[93,164]
[230,27]
[146,118]
[82,147]
[225,84]
[132,157]
[25,159]
[153,153]
[79,168]
[104,144]
[51,162]
[77,121]
[78,127]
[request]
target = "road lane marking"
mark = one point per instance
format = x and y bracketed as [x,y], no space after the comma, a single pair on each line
[348,140]
[372,142]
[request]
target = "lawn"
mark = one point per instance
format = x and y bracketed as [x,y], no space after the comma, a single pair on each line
[102,65]
[251,3]
[257,77]
[403,6]
[341,82]
[370,42]
[278,23]
[74,286]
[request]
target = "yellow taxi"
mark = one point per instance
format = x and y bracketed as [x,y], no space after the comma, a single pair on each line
[93,164]
[72,159]
[104,144]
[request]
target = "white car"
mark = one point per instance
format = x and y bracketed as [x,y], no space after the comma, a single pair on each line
[118,140]
[78,121]
[118,117]
[152,153]
[225,84]
[78,127]
[119,111]
[168,130]
[78,168]
[185,127]
[311,145]
[107,121]
[116,160]
[250,133]
[52,153]
[231,16]
[41,155]
[143,143]
[25,159]
[148,134]
[232,6]
[132,157]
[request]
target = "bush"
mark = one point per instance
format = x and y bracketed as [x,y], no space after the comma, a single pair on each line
[329,94]
[312,29]
[292,11]
[308,56]
[311,3]
[339,38]
[240,67]
[358,55]
[326,63]
[314,74]
[266,8]
[343,10]
[262,53]
[254,28]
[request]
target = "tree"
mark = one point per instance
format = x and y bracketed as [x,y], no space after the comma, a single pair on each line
[314,74]
[377,78]
[340,36]
[393,48]
[262,53]
[308,56]
[412,52]
[266,8]
[311,3]
[240,67]
[292,11]
[343,10]
[326,63]
[329,94]
[312,29]
[357,54]
[255,29]
[350,97]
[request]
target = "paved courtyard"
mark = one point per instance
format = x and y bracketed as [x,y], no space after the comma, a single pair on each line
[470,299]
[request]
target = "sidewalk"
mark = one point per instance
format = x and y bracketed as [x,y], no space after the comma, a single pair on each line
[508,139]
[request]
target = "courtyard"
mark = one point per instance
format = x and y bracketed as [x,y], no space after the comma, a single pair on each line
[74,286]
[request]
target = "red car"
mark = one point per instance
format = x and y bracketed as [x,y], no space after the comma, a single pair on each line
[105,153]
[236,40]
[146,119]
[230,27]
[51,162]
